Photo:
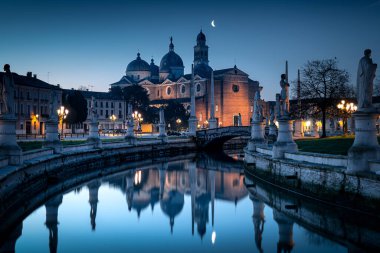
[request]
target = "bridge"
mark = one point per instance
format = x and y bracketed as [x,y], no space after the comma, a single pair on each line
[217,136]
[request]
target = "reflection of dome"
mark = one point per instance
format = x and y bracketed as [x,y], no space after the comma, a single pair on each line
[138,65]
[172,205]
[171,59]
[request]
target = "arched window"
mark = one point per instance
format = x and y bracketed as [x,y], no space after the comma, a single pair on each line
[168,90]
[235,88]
[198,87]
[183,89]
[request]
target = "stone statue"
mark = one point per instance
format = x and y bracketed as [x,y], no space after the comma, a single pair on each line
[364,84]
[93,112]
[285,105]
[54,105]
[7,92]
[278,106]
[256,107]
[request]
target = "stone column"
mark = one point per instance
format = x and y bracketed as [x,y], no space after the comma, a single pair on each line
[51,135]
[298,132]
[285,231]
[257,125]
[212,121]
[193,122]
[161,126]
[94,137]
[130,136]
[8,143]
[285,142]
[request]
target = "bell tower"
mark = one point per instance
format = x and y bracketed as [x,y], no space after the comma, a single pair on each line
[201,50]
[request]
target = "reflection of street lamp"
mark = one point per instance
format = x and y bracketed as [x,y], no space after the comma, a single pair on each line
[113,118]
[347,109]
[62,113]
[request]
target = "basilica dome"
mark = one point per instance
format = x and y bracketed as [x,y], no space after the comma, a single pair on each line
[170,60]
[138,65]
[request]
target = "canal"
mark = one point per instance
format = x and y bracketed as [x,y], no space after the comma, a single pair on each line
[197,203]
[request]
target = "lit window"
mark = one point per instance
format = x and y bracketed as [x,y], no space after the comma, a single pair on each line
[216,108]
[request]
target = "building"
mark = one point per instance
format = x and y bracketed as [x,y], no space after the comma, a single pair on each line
[32,102]
[234,90]
[106,105]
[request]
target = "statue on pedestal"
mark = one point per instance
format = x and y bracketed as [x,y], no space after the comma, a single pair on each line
[93,112]
[364,84]
[285,105]
[257,110]
[7,92]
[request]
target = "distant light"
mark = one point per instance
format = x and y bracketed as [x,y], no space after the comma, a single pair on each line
[213,237]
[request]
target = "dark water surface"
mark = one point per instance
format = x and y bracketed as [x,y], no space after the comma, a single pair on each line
[193,205]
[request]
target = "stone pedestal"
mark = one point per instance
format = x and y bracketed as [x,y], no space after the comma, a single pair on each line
[8,143]
[257,135]
[365,146]
[130,136]
[162,133]
[193,123]
[212,123]
[93,137]
[52,139]
[298,132]
[272,135]
[284,141]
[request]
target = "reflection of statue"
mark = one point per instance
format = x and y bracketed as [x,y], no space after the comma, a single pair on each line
[93,112]
[284,95]
[54,105]
[7,91]
[364,84]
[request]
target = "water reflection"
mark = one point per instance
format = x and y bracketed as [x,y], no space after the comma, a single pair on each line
[200,190]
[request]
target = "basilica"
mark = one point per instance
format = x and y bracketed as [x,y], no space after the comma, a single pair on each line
[234,90]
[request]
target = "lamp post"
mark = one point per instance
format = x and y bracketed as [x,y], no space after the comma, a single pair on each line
[178,121]
[113,118]
[347,109]
[137,117]
[62,113]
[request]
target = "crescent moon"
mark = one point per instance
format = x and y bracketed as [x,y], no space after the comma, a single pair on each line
[213,23]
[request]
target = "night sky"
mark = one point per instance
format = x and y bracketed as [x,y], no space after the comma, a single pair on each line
[82,42]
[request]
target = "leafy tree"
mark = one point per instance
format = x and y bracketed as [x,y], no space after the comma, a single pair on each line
[323,85]
[74,101]
[137,96]
[174,111]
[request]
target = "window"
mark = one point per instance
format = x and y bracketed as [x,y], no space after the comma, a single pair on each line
[235,88]
[28,109]
[111,104]
[111,112]
[168,91]
[96,103]
[35,109]
[101,104]
[106,104]
[183,89]
[216,108]
[106,113]
[101,112]
[158,93]
[119,104]
[198,87]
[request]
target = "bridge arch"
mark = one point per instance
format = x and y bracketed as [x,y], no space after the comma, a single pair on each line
[216,137]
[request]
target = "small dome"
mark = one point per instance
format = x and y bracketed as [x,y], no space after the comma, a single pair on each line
[171,59]
[138,65]
[153,68]
[201,37]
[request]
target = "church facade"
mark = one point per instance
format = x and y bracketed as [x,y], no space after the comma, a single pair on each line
[234,90]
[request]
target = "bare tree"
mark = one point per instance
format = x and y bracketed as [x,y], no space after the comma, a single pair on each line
[323,84]
[82,87]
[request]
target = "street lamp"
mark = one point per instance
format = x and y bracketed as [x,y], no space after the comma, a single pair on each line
[137,117]
[62,113]
[178,121]
[113,118]
[347,109]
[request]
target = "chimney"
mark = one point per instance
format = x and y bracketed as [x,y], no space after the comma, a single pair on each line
[35,76]
[29,74]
